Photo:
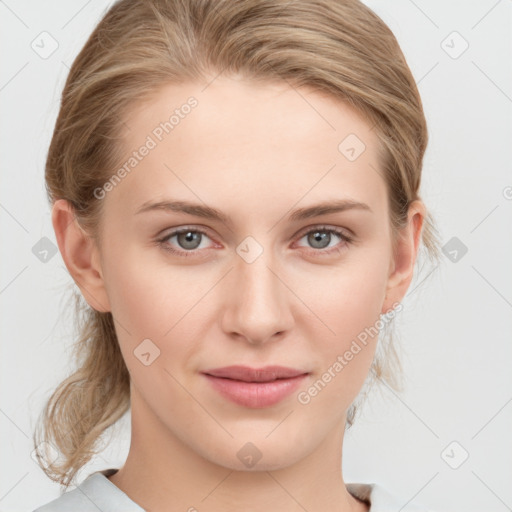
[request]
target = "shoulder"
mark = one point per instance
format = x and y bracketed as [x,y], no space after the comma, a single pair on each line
[95,493]
[382,500]
[70,500]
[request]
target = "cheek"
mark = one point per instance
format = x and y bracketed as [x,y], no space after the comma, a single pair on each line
[156,301]
[350,305]
[350,297]
[147,294]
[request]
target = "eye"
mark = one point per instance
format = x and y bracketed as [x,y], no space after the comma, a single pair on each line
[187,239]
[320,239]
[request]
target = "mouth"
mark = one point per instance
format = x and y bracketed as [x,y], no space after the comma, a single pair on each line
[247,374]
[255,387]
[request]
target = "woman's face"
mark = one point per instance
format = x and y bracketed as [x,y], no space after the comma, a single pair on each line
[270,280]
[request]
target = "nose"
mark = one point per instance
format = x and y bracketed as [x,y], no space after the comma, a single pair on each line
[257,307]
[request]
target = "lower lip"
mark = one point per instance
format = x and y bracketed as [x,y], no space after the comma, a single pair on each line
[255,394]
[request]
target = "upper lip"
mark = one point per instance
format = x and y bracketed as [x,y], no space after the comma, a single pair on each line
[247,374]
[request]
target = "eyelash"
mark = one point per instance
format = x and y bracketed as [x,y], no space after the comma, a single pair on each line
[346,240]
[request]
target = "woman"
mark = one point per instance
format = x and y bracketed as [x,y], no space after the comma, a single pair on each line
[235,192]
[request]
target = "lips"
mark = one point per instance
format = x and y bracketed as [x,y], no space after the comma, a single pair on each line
[247,374]
[255,387]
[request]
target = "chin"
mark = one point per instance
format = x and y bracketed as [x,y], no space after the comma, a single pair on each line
[255,456]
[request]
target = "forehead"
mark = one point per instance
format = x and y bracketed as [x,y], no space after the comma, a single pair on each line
[232,141]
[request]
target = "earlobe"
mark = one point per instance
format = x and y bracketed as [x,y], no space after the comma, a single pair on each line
[404,259]
[80,255]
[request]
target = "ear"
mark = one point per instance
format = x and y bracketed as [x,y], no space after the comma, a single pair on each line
[80,255]
[404,258]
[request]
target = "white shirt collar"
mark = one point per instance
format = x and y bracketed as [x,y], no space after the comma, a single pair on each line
[97,492]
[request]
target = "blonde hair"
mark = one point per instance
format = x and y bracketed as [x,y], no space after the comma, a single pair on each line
[339,47]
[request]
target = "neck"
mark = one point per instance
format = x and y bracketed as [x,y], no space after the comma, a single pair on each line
[161,473]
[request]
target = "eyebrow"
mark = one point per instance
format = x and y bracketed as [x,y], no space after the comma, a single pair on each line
[208,212]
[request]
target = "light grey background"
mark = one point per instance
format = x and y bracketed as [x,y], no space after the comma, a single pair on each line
[455,328]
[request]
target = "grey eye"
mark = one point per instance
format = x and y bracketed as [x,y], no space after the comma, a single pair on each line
[189,239]
[319,239]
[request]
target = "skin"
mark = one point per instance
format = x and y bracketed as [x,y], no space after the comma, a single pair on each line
[256,152]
